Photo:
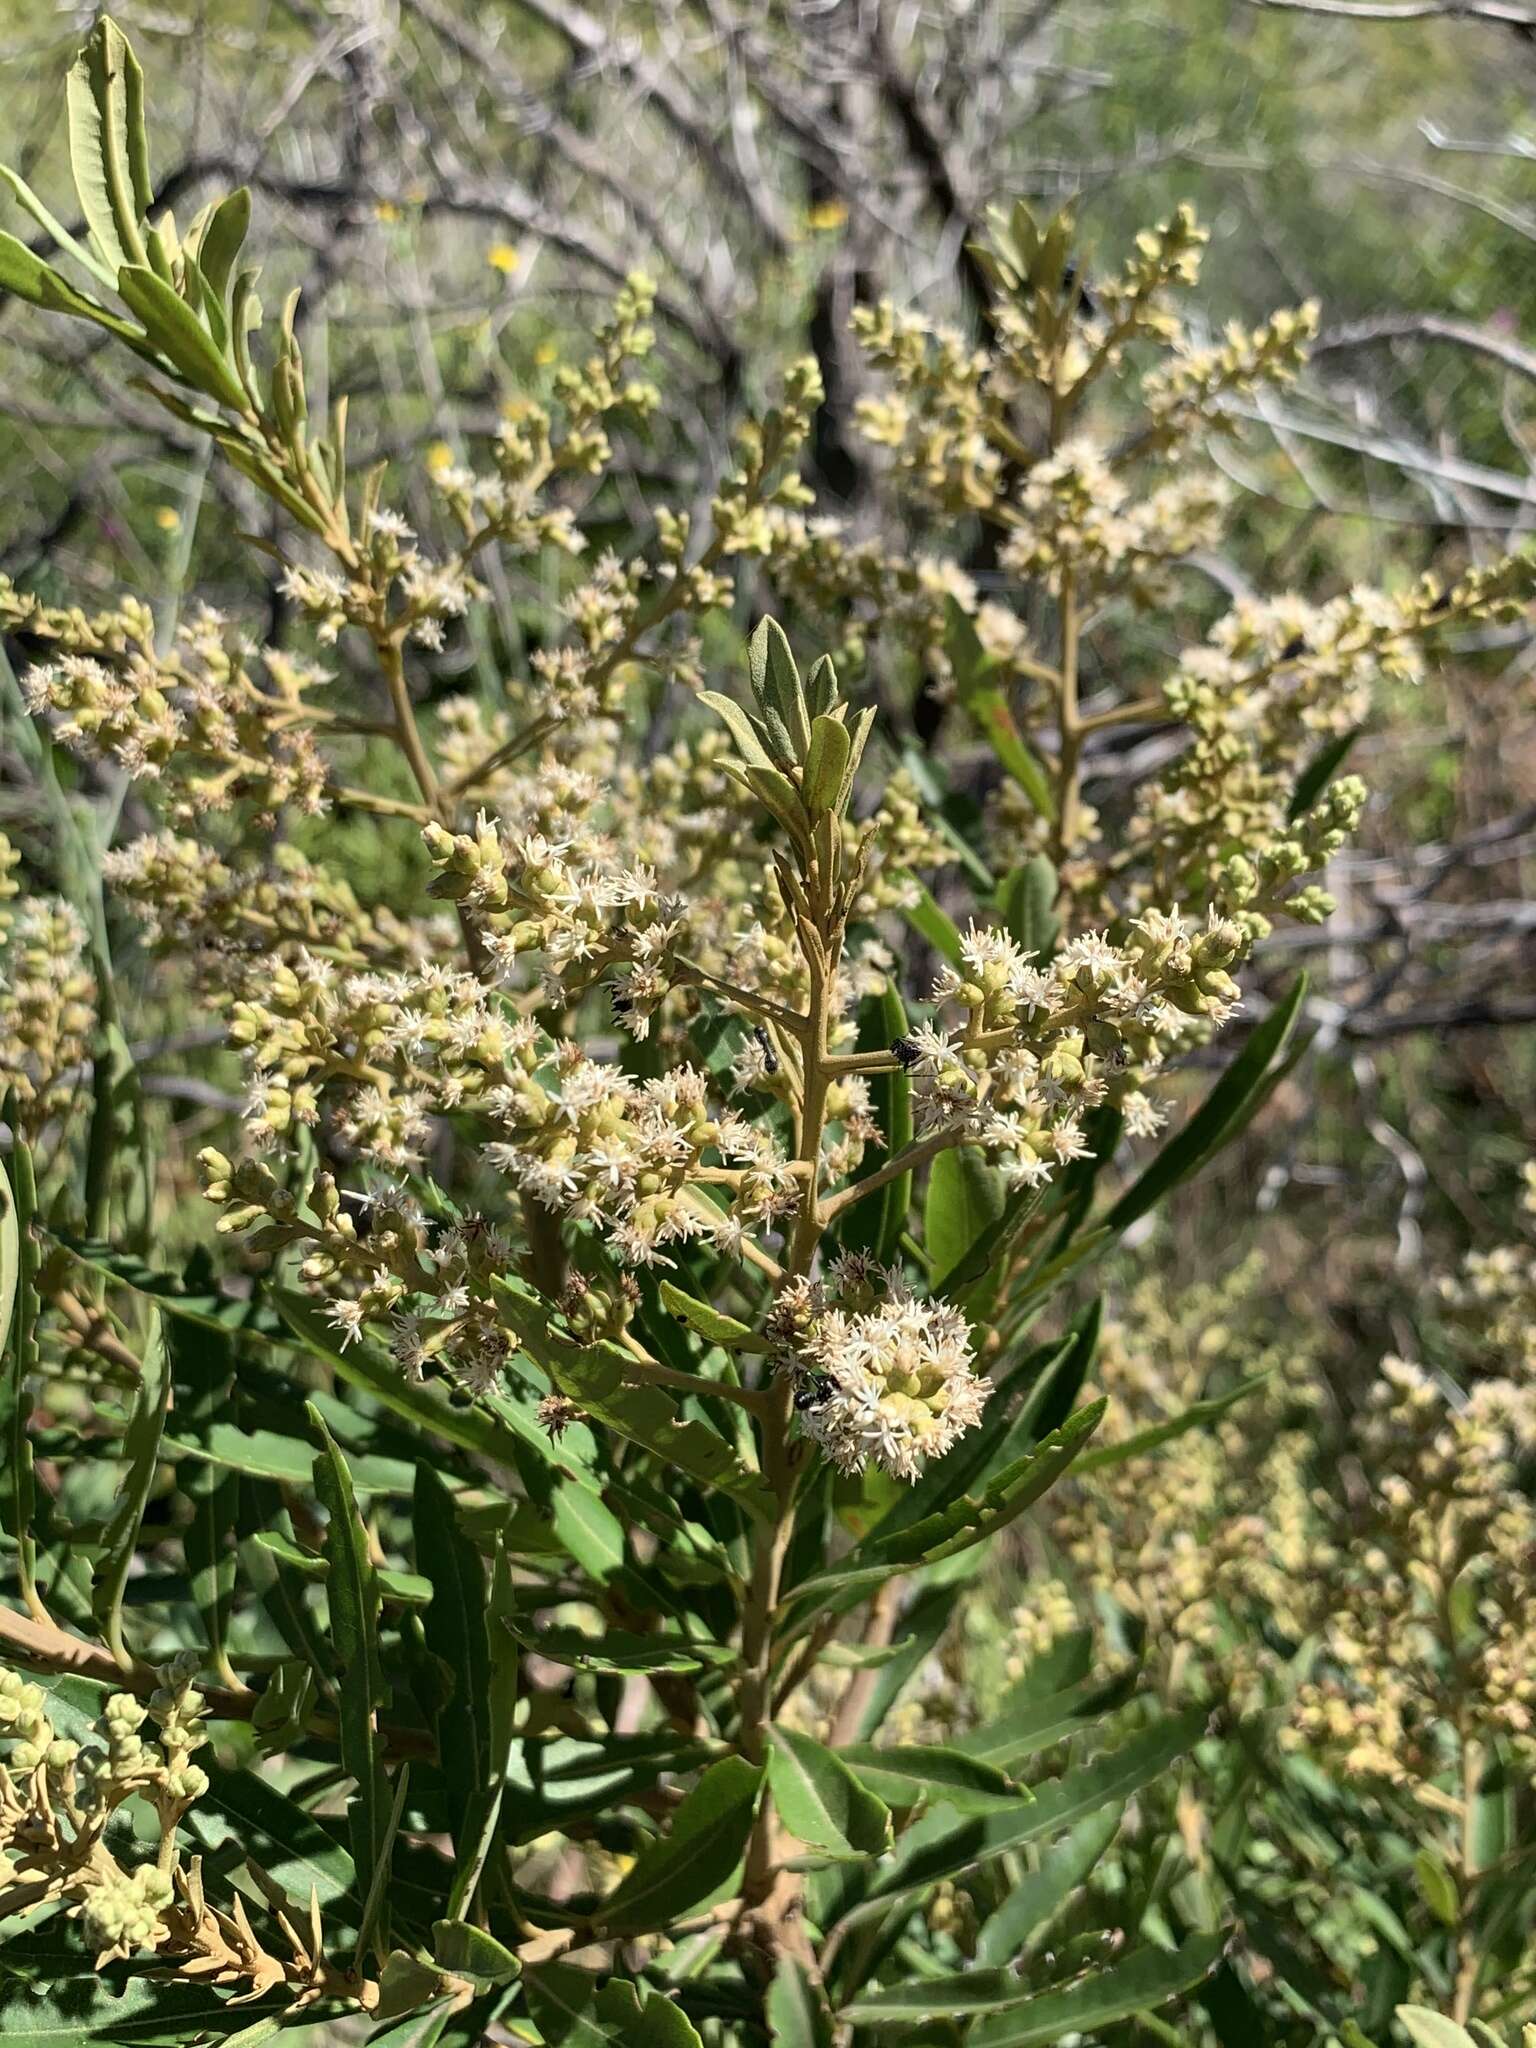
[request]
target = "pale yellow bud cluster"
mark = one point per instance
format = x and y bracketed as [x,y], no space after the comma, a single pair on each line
[47,999]
[198,716]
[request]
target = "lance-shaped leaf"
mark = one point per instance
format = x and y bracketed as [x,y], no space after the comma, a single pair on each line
[455,1628]
[554,1780]
[1030,1905]
[935,1776]
[572,2010]
[876,1225]
[935,1848]
[140,1460]
[263,1454]
[18,1352]
[353,1597]
[1027,896]
[593,1376]
[797,2008]
[685,1868]
[202,1368]
[985,700]
[963,1522]
[737,722]
[1195,1416]
[1028,1722]
[711,1323]
[820,1800]
[776,685]
[619,1650]
[965,1197]
[105,96]
[180,336]
[826,765]
[929,921]
[1142,1983]
[1319,772]
[494,1430]
[1233,1099]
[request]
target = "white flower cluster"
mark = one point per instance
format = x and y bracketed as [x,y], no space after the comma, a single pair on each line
[587,1141]
[1040,1046]
[879,1376]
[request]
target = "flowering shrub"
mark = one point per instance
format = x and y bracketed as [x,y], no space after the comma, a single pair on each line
[625,1193]
[1353,1593]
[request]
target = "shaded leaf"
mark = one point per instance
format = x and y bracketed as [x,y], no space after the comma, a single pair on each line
[686,1867]
[592,1375]
[1141,1983]
[821,1801]
[1030,1904]
[908,1776]
[965,1198]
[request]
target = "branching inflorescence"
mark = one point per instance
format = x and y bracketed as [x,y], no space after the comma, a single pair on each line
[640,1155]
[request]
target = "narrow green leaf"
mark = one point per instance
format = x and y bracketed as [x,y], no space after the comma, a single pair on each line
[353,1597]
[140,1460]
[202,1369]
[495,1430]
[739,725]
[471,1952]
[685,1868]
[593,1376]
[1320,771]
[876,1226]
[711,1323]
[929,921]
[965,1197]
[1195,1416]
[987,704]
[1221,1109]
[797,2011]
[180,336]
[56,230]
[619,1650]
[1032,1903]
[1142,1983]
[223,239]
[1028,1722]
[776,683]
[571,2010]
[933,1775]
[963,1522]
[820,1800]
[1437,1887]
[1026,896]
[961,1995]
[109,174]
[10,1260]
[263,1454]
[934,1848]
[477,1835]
[826,764]
[1426,2029]
[455,1627]
[554,1780]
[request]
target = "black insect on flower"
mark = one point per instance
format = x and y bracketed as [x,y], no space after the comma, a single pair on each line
[906,1053]
[1293,649]
[1070,282]
[812,1390]
[765,1043]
